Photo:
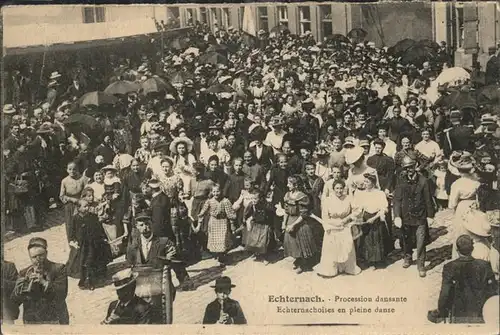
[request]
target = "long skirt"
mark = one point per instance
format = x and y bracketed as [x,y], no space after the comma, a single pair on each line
[258,238]
[374,244]
[461,214]
[69,211]
[300,243]
[219,235]
[338,254]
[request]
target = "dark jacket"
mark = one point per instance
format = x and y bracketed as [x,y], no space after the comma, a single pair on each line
[266,158]
[49,306]
[413,201]
[10,310]
[160,246]
[467,284]
[160,216]
[458,138]
[136,312]
[231,307]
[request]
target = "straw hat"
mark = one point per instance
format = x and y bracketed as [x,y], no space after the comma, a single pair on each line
[352,155]
[124,278]
[9,109]
[177,140]
[479,226]
[54,75]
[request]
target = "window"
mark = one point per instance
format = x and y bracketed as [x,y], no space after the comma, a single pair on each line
[93,14]
[190,16]
[226,17]
[305,19]
[241,13]
[460,26]
[283,16]
[326,20]
[263,19]
[203,15]
[173,18]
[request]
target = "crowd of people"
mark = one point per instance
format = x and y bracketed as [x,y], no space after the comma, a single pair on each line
[330,151]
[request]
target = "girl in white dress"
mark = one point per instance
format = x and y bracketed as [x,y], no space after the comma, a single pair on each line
[338,254]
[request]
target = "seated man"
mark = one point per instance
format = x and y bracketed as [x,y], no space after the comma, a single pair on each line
[467,284]
[148,249]
[129,309]
[224,310]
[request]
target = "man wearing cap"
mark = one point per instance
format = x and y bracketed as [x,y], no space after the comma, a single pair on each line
[129,309]
[149,249]
[458,137]
[42,288]
[413,213]
[467,284]
[224,310]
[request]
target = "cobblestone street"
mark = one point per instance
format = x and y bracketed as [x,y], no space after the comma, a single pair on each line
[256,281]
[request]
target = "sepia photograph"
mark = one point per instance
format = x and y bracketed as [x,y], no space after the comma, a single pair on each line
[251,164]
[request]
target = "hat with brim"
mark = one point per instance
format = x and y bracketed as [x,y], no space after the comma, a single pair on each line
[479,226]
[177,140]
[223,283]
[9,109]
[52,83]
[44,128]
[364,143]
[465,162]
[352,155]
[54,75]
[109,168]
[154,183]
[37,242]
[407,161]
[124,278]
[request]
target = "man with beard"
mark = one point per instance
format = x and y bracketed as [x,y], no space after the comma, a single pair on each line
[413,213]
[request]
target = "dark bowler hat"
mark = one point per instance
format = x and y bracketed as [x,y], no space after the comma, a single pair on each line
[223,283]
[37,242]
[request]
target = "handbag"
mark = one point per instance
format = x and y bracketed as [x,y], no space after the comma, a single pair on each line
[19,185]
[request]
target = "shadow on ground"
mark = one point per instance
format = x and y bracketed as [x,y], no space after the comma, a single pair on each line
[437,256]
[50,219]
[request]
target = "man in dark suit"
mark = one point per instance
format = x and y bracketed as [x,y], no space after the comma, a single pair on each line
[492,73]
[10,310]
[413,212]
[467,284]
[42,288]
[129,309]
[149,249]
[459,137]
[263,154]
[224,310]
[160,211]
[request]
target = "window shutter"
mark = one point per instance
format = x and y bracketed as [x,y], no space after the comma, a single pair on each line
[470,28]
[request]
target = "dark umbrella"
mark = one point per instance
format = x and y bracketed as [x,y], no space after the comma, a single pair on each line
[429,44]
[121,87]
[220,48]
[213,58]
[417,55]
[337,39]
[400,47]
[97,98]
[180,77]
[156,85]
[488,95]
[357,34]
[83,120]
[279,29]
[459,99]
[220,88]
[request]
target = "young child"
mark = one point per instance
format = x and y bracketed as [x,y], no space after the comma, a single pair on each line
[143,154]
[249,194]
[219,228]
[259,216]
[440,194]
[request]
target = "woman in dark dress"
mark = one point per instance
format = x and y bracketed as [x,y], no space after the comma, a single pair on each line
[300,241]
[90,250]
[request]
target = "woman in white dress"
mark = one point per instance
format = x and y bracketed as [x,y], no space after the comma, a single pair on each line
[463,196]
[338,254]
